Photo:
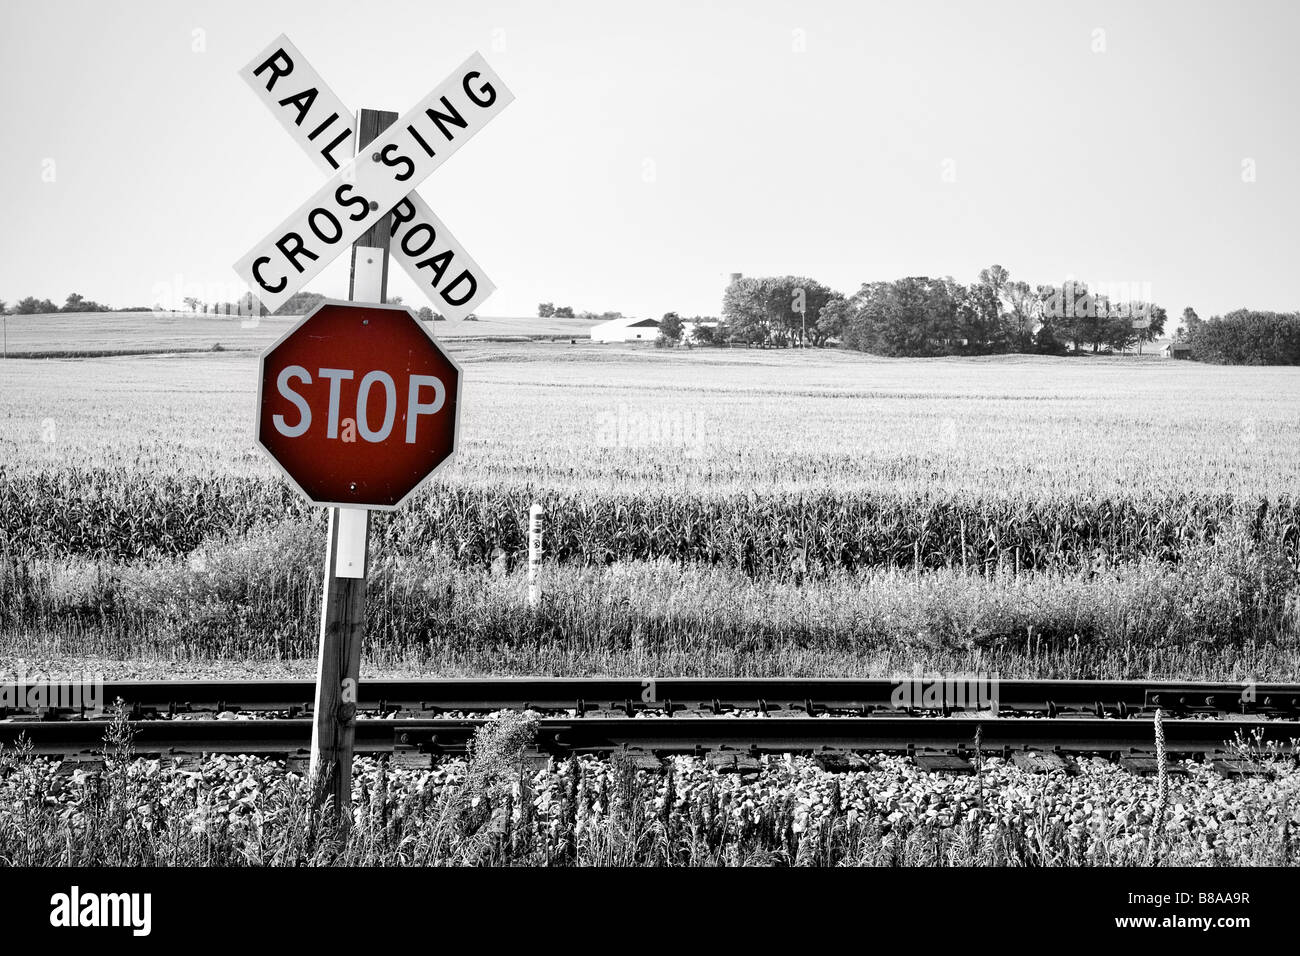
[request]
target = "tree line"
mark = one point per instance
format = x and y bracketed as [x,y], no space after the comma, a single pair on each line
[922,316]
[1244,337]
[548,310]
[300,303]
[76,302]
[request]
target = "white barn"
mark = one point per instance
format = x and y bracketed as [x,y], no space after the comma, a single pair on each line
[688,328]
[626,329]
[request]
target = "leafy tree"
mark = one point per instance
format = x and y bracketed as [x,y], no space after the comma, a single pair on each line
[775,310]
[979,312]
[4,307]
[76,302]
[1117,329]
[191,302]
[920,315]
[670,327]
[1018,307]
[33,306]
[916,315]
[425,314]
[1021,315]
[702,334]
[1244,337]
[546,310]
[1148,322]
[1071,310]
[808,328]
[996,279]
[1081,318]
[833,318]
[564,312]
[1046,340]
[748,311]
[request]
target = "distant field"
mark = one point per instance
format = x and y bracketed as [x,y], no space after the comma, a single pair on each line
[152,332]
[555,415]
[710,511]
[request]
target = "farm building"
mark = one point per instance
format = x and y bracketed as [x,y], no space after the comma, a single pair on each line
[1178,350]
[688,328]
[626,329]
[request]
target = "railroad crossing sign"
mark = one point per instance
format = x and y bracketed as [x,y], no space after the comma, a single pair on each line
[361,192]
[358,405]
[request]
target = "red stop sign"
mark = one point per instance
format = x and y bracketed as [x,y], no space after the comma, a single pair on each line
[358,404]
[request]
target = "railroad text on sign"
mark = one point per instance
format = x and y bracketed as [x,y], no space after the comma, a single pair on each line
[361,193]
[322,125]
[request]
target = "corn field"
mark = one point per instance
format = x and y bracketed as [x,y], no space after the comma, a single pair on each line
[728,513]
[120,515]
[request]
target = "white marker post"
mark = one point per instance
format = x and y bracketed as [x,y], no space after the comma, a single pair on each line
[534,554]
[343,605]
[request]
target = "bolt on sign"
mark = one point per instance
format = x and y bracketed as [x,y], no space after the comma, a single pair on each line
[362,191]
[357,404]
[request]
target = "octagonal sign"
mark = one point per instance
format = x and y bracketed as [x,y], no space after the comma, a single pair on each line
[358,404]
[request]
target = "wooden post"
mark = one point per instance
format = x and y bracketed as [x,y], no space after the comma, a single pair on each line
[534,554]
[343,603]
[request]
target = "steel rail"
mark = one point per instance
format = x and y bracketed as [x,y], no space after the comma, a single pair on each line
[672,695]
[661,735]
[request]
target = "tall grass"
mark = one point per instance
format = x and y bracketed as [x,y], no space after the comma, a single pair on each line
[1228,609]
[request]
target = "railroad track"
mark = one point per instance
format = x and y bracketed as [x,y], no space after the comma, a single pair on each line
[679,696]
[427,718]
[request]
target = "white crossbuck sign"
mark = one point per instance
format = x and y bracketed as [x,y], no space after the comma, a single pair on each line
[379,178]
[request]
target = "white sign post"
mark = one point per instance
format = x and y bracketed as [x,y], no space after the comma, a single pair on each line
[534,554]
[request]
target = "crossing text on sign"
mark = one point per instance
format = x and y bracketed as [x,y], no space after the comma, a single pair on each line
[306,108]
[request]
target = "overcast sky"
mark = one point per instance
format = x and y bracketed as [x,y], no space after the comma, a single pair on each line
[653,148]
